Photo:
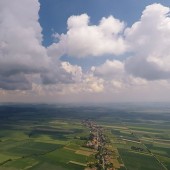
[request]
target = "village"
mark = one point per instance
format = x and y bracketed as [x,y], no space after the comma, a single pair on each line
[100,143]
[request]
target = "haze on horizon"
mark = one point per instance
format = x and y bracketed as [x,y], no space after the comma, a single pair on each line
[100,51]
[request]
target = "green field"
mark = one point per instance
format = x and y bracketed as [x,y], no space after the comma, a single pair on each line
[53,137]
[139,161]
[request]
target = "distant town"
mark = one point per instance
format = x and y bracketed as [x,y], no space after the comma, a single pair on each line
[101,144]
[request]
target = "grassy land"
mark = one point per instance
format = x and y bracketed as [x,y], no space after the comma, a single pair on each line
[138,161]
[49,137]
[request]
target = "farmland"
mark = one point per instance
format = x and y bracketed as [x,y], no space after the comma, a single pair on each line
[40,137]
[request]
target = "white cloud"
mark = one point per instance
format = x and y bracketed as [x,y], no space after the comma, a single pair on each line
[109,70]
[20,38]
[21,49]
[25,64]
[92,84]
[74,70]
[85,40]
[149,41]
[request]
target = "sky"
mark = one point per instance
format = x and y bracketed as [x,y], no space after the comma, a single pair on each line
[75,51]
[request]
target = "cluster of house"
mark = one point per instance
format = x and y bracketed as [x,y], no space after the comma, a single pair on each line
[98,142]
[137,149]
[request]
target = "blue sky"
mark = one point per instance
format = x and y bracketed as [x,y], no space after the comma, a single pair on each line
[54,13]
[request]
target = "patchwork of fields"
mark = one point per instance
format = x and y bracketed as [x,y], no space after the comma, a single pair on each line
[40,147]
[55,138]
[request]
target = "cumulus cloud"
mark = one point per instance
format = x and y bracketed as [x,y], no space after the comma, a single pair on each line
[13,82]
[109,70]
[85,40]
[149,41]
[74,70]
[26,64]
[114,76]
[56,73]
[21,49]
[20,38]
[92,84]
